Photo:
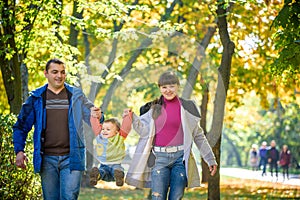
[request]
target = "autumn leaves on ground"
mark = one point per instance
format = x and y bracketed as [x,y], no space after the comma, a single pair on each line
[231,188]
[255,189]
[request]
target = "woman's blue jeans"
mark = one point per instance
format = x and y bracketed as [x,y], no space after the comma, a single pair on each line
[58,182]
[168,174]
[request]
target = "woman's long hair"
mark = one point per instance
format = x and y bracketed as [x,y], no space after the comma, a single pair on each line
[156,105]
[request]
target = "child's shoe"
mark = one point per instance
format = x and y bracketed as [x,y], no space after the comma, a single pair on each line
[94,176]
[119,176]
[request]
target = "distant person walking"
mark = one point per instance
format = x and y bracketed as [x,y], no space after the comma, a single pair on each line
[254,157]
[273,158]
[263,157]
[285,161]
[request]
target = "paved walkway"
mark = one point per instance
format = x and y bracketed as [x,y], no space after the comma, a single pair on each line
[248,174]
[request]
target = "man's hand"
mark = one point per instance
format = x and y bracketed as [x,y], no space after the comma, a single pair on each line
[21,160]
[127,112]
[213,169]
[96,112]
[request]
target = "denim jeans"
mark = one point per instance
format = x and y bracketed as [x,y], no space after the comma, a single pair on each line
[58,182]
[168,174]
[263,162]
[107,171]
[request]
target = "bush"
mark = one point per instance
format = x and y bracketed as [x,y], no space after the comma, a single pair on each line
[16,183]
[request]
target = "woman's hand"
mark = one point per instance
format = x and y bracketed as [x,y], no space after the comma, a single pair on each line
[96,112]
[127,112]
[213,169]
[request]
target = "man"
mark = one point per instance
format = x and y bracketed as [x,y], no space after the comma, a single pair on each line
[57,111]
[273,158]
[263,157]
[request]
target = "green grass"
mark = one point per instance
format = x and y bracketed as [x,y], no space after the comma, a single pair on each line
[231,189]
[229,194]
[106,194]
[129,194]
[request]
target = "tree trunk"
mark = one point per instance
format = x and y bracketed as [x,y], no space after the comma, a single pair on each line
[189,86]
[147,42]
[95,87]
[203,108]
[214,136]
[74,32]
[133,58]
[197,62]
[214,181]
[73,41]
[10,67]
[11,74]
[25,91]
[86,48]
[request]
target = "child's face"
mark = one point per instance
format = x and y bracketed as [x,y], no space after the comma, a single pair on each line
[109,130]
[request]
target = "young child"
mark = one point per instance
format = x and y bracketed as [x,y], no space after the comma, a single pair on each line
[110,149]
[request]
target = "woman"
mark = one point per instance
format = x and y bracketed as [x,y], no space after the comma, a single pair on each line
[168,128]
[254,157]
[285,161]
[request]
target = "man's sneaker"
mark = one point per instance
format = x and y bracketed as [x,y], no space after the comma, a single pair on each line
[94,176]
[119,177]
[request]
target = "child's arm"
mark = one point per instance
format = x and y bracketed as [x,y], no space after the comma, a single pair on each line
[126,123]
[95,123]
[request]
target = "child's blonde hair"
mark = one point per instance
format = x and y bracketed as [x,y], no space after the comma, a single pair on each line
[115,122]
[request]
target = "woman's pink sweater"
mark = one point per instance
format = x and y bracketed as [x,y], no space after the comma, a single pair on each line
[168,125]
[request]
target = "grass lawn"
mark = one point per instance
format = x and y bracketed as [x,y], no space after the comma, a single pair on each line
[231,189]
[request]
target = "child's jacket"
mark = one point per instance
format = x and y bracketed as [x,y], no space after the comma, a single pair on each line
[110,150]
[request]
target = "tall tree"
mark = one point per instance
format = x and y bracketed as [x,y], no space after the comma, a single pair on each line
[195,69]
[287,39]
[17,20]
[143,46]
[96,86]
[193,73]
[18,36]
[214,135]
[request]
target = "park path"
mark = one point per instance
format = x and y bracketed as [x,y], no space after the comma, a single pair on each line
[256,175]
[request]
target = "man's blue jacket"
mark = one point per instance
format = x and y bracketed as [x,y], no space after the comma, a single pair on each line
[33,113]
